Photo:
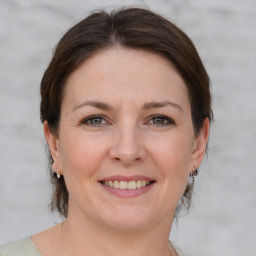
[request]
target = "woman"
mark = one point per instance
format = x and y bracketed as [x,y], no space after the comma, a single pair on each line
[126,108]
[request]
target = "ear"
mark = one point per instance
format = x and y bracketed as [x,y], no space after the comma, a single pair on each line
[200,144]
[53,143]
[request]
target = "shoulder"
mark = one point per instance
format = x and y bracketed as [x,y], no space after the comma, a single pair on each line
[179,251]
[24,247]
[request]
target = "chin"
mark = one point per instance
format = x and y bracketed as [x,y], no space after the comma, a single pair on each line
[130,219]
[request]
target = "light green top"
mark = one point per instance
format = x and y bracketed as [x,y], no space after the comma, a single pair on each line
[23,247]
[26,247]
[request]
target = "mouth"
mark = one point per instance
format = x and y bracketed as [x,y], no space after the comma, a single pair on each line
[123,184]
[127,186]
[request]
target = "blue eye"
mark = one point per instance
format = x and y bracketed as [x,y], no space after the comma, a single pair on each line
[94,121]
[160,120]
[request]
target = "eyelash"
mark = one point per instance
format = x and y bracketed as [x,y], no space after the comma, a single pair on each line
[167,120]
[90,118]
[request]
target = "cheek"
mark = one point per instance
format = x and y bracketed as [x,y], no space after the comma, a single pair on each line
[80,154]
[172,155]
[174,162]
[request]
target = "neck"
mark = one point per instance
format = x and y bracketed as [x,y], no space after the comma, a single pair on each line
[78,237]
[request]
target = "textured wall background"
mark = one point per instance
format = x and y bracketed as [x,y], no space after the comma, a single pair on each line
[222,221]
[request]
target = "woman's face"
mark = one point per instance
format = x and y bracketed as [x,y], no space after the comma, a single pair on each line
[126,143]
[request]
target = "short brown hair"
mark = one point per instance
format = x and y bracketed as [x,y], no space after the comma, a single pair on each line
[135,28]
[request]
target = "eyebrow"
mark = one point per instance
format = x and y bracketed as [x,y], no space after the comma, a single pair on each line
[107,107]
[96,104]
[155,104]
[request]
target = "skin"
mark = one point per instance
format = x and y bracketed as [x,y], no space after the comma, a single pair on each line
[126,139]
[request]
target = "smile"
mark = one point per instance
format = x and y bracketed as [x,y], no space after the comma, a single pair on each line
[122,184]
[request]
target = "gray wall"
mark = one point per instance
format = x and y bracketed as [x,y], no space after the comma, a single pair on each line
[222,219]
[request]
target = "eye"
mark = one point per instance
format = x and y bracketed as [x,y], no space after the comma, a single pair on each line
[161,120]
[96,120]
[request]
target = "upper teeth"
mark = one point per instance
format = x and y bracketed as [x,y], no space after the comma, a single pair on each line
[133,184]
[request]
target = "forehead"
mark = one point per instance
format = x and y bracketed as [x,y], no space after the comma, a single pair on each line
[126,74]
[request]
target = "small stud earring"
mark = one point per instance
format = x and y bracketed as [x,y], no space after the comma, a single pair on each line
[193,174]
[58,175]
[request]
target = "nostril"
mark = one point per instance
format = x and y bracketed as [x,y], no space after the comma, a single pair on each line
[126,160]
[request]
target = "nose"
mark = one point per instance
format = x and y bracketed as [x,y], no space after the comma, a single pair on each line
[127,146]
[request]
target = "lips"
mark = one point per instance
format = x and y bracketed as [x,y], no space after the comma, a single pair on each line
[123,184]
[127,186]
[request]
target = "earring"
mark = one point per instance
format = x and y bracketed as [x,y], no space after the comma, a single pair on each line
[193,174]
[58,175]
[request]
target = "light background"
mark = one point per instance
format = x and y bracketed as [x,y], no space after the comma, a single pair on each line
[222,221]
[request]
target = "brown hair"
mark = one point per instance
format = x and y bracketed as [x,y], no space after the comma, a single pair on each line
[131,28]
